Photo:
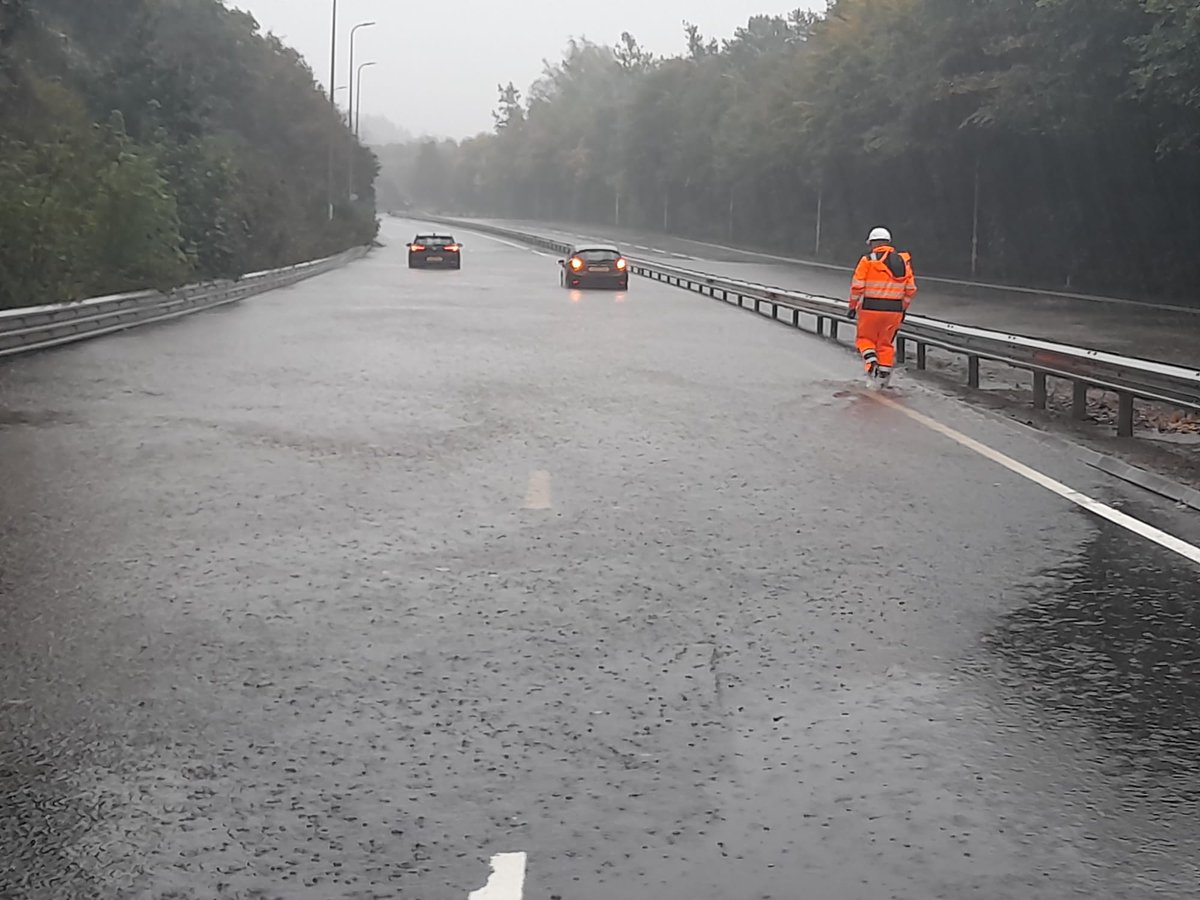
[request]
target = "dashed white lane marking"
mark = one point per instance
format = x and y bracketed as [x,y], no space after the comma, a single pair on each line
[538,495]
[1104,511]
[507,881]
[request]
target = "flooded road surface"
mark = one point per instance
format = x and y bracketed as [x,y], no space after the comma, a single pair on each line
[1147,330]
[360,586]
[1105,658]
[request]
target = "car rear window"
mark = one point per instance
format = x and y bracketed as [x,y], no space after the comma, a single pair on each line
[431,241]
[598,255]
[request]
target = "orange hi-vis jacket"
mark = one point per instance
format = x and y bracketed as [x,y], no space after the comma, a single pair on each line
[875,287]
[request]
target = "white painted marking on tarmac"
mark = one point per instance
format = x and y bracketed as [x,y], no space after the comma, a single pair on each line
[525,247]
[507,881]
[1103,510]
[538,494]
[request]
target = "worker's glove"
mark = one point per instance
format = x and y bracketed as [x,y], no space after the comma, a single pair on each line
[852,314]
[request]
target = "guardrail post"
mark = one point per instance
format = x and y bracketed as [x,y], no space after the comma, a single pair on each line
[1125,415]
[795,318]
[901,351]
[922,352]
[1079,401]
[775,311]
[973,371]
[833,328]
[820,326]
[1039,390]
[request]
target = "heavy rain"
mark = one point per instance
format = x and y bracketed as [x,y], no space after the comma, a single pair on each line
[685,451]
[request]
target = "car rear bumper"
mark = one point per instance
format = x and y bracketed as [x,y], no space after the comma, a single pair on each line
[448,260]
[597,279]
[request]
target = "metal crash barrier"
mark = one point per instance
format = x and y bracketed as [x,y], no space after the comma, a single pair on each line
[26,329]
[1128,377]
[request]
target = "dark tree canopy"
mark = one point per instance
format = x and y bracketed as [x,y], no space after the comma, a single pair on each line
[150,142]
[1076,123]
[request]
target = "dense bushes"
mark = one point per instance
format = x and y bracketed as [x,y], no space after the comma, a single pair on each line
[150,142]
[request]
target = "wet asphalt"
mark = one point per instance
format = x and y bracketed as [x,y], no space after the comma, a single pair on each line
[1148,330]
[342,591]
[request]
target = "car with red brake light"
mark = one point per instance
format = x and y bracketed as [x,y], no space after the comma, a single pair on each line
[434,251]
[595,265]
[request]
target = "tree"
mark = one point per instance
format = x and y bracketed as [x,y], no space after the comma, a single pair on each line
[1029,140]
[145,142]
[631,56]
[509,114]
[697,46]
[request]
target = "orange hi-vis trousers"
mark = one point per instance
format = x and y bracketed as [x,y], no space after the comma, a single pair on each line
[876,339]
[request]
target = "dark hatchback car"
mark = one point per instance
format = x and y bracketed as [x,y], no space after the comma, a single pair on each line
[434,251]
[595,266]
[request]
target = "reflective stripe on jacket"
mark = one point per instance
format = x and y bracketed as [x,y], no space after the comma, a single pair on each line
[874,281]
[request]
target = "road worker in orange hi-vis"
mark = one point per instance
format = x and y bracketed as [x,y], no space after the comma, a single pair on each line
[882,289]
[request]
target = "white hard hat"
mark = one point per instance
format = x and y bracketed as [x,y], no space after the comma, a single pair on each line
[879,234]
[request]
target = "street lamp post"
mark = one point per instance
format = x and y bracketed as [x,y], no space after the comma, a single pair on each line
[354,124]
[333,119]
[350,111]
[975,225]
[358,94]
[820,203]
[354,94]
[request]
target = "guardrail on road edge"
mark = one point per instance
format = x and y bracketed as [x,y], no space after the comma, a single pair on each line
[25,329]
[1129,377]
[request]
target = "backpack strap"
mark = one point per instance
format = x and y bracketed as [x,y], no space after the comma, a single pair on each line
[895,264]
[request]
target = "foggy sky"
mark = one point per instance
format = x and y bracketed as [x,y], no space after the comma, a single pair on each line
[438,63]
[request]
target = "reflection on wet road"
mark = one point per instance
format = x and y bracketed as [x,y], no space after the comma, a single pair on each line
[351,590]
[1101,660]
[1112,639]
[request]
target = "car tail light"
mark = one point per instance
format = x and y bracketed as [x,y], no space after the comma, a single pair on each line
[417,248]
[622,265]
[452,248]
[576,263]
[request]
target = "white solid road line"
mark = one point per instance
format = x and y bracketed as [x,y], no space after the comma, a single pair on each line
[507,881]
[1103,510]
[525,247]
[538,495]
